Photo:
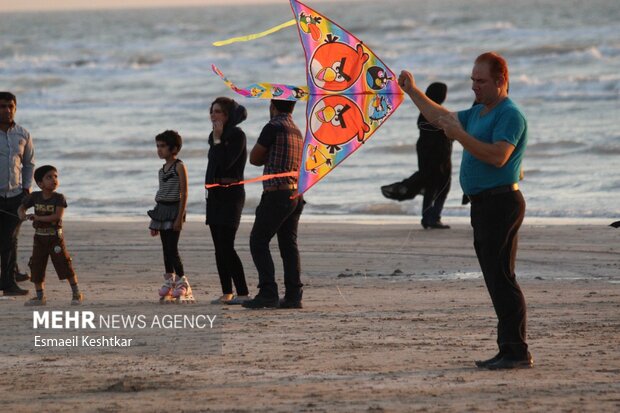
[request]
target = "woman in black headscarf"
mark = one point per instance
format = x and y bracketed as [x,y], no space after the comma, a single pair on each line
[435,168]
[227,158]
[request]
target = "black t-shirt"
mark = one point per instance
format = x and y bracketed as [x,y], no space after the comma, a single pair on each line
[43,207]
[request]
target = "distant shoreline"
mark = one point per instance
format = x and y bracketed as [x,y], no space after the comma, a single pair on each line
[364,219]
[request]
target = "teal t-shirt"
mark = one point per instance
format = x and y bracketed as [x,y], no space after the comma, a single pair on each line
[505,122]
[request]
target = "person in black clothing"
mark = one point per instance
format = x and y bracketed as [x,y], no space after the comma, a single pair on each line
[16,166]
[435,168]
[227,158]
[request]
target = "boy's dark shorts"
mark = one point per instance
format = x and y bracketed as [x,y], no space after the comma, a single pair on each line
[50,246]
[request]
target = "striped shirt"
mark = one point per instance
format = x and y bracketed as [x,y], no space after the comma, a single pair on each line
[169,184]
[284,143]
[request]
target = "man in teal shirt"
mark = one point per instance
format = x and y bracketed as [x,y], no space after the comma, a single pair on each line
[504,123]
[493,134]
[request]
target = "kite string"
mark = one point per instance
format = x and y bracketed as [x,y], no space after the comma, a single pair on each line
[254,36]
[10,213]
[432,127]
[400,247]
[257,179]
[404,243]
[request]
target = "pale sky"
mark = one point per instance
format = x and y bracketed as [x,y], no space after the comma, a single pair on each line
[41,5]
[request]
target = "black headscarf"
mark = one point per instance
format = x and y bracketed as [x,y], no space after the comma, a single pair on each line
[437,92]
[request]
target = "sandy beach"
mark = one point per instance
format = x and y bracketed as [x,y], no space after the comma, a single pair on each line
[393,318]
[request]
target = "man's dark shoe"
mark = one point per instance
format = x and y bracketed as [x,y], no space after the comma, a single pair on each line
[397,191]
[15,291]
[435,225]
[261,302]
[483,364]
[287,303]
[21,276]
[507,363]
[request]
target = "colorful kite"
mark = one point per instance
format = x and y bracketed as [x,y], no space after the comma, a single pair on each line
[350,93]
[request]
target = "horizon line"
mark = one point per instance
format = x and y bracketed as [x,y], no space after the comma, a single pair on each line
[103,5]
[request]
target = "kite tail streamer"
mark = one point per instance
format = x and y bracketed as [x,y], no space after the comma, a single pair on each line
[266,90]
[257,179]
[254,36]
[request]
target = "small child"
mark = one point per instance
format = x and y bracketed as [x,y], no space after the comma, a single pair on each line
[49,207]
[168,216]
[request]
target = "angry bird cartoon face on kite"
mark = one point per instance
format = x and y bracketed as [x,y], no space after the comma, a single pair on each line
[336,120]
[379,108]
[277,91]
[257,91]
[309,25]
[299,92]
[377,78]
[336,66]
[316,159]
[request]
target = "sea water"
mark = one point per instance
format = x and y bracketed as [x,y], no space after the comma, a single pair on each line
[95,87]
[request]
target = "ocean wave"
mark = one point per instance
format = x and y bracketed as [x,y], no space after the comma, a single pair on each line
[533,172]
[568,212]
[184,29]
[383,208]
[32,61]
[492,27]
[125,154]
[549,50]
[608,149]
[141,61]
[612,185]
[587,87]
[396,149]
[544,149]
[38,82]
[67,68]
[398,26]
[554,148]
[81,62]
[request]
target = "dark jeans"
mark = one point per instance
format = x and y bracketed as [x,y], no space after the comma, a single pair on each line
[433,178]
[435,169]
[496,221]
[9,229]
[435,184]
[170,244]
[229,265]
[277,214]
[434,199]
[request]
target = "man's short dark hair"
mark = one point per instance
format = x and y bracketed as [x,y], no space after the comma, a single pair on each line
[497,65]
[41,171]
[171,138]
[284,106]
[8,96]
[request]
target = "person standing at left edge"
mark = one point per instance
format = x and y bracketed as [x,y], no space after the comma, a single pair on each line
[16,171]
[279,149]
[493,134]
